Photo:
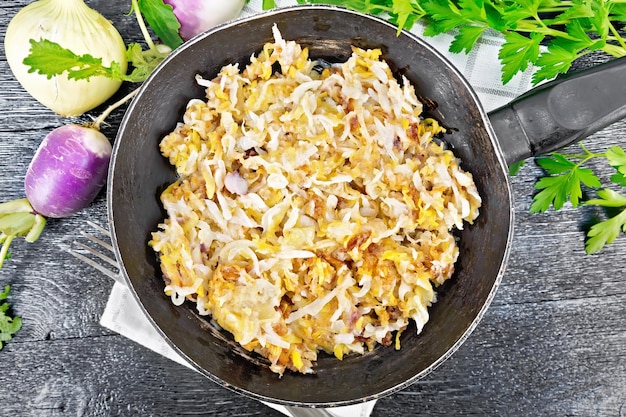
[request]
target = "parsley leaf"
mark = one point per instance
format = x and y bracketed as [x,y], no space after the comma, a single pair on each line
[9,326]
[562,184]
[466,38]
[579,9]
[528,7]
[619,179]
[617,12]
[517,53]
[406,13]
[607,231]
[564,181]
[512,13]
[600,18]
[556,164]
[617,158]
[473,10]
[579,37]
[443,17]
[554,61]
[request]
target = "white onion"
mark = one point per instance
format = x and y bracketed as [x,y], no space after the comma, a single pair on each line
[74,26]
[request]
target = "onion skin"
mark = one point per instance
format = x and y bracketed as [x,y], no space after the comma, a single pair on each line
[82,30]
[197,16]
[68,170]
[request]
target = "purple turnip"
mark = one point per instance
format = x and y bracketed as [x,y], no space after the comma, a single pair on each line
[66,173]
[68,170]
[197,16]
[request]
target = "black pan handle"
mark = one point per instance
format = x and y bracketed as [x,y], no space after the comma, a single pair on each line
[561,111]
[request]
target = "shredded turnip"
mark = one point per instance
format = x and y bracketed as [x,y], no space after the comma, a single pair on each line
[317,202]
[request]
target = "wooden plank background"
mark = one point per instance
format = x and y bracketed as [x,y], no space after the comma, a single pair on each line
[553,342]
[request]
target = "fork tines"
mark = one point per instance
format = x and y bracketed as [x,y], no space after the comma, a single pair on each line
[108,257]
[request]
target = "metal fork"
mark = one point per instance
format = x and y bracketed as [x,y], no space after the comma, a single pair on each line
[107,257]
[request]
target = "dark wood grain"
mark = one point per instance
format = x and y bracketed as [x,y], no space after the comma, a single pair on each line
[553,342]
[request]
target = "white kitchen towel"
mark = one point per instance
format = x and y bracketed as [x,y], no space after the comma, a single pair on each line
[481,67]
[123,315]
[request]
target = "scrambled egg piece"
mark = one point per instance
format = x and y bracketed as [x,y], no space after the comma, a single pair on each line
[314,210]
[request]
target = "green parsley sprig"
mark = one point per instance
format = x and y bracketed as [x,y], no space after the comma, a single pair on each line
[9,326]
[569,29]
[608,230]
[564,182]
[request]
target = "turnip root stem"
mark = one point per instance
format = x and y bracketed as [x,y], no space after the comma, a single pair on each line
[17,218]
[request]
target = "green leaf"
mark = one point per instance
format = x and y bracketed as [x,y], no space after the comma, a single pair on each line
[143,62]
[9,326]
[517,52]
[17,218]
[600,18]
[587,177]
[434,28]
[578,38]
[528,7]
[608,198]
[51,59]
[563,184]
[405,13]
[556,163]
[440,9]
[515,167]
[472,10]
[617,12]
[552,193]
[443,15]
[404,22]
[605,232]
[577,10]
[511,14]
[574,190]
[617,158]
[161,18]
[466,38]
[576,30]
[554,61]
[619,179]
[268,4]
[497,19]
